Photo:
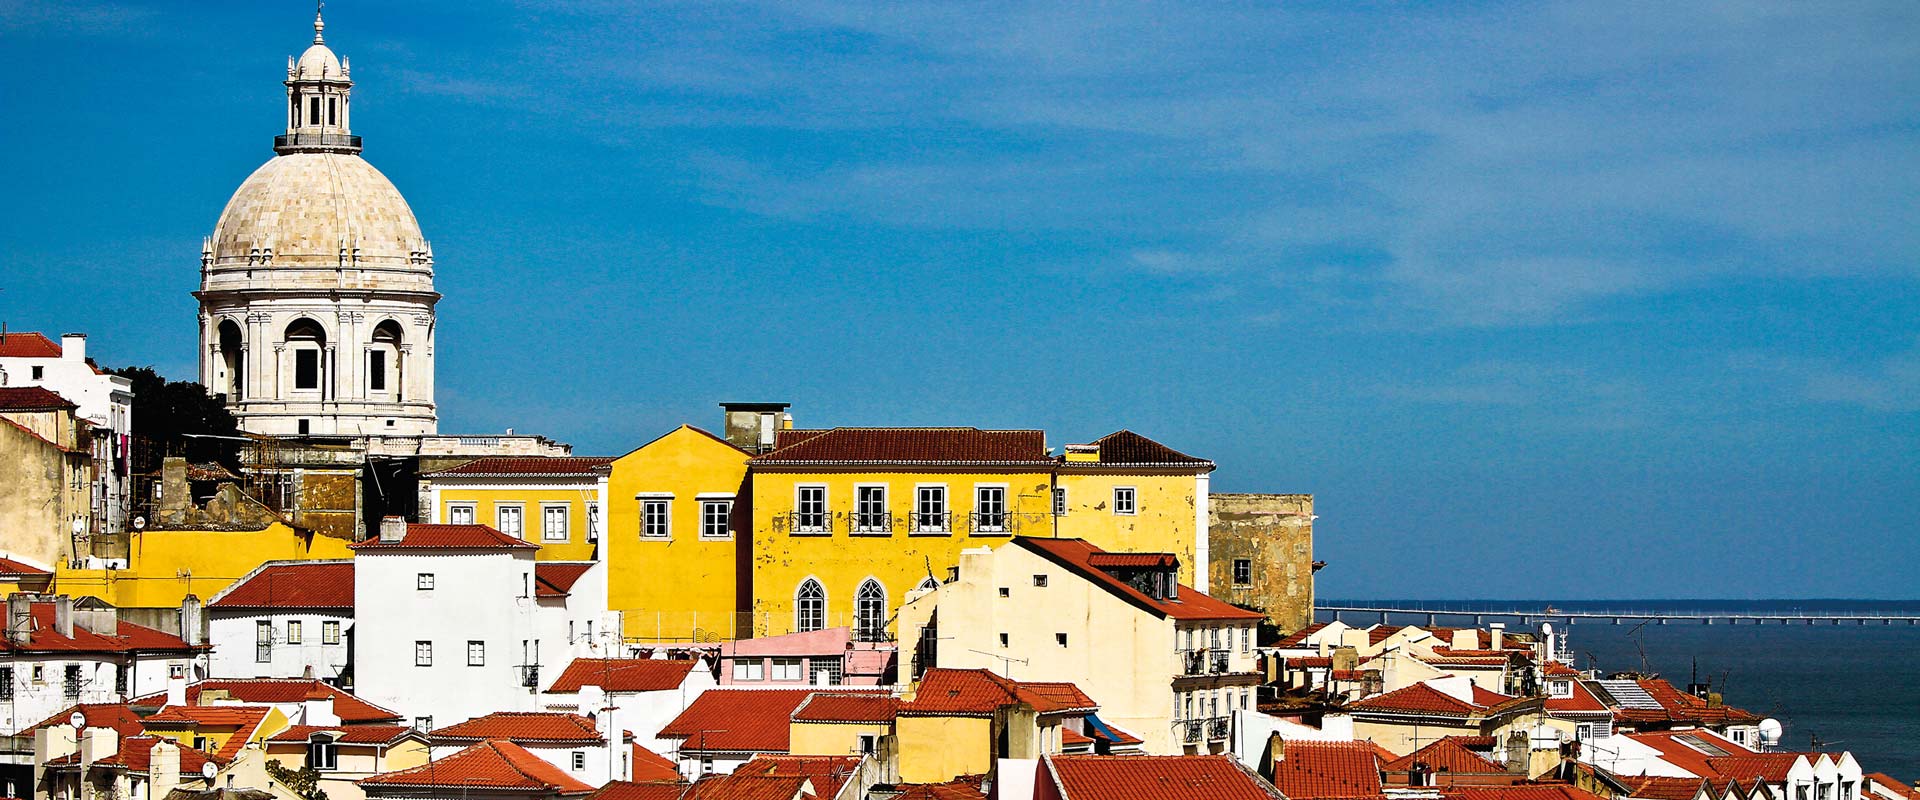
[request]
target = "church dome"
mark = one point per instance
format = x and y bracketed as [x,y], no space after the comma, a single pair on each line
[318,63]
[306,208]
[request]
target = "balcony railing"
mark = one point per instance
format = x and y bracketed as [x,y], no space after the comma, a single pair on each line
[1193,663]
[873,522]
[316,141]
[1194,730]
[530,676]
[1217,662]
[991,521]
[1219,728]
[929,522]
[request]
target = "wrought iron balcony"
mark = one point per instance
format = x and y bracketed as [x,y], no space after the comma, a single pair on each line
[530,676]
[1194,730]
[1219,728]
[928,522]
[991,521]
[329,142]
[872,522]
[1195,663]
[804,522]
[1217,663]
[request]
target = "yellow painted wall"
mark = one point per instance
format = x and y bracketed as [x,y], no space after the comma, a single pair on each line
[218,736]
[831,738]
[1404,738]
[939,749]
[165,565]
[355,762]
[487,501]
[684,586]
[899,560]
[1163,520]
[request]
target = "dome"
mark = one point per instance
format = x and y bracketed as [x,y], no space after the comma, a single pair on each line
[307,207]
[318,63]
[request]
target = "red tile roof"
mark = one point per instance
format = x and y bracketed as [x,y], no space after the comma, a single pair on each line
[10,568]
[979,692]
[350,709]
[1488,697]
[1137,560]
[526,467]
[1556,791]
[1447,755]
[311,585]
[28,344]
[1560,669]
[521,727]
[1688,758]
[750,787]
[1299,637]
[1678,706]
[118,716]
[32,398]
[244,720]
[1124,447]
[487,765]
[1890,788]
[1310,662]
[737,720]
[1418,698]
[623,674]
[829,773]
[1328,771]
[925,447]
[135,755]
[651,766]
[1652,787]
[850,707]
[349,734]
[1583,701]
[1073,554]
[556,578]
[447,537]
[128,637]
[639,790]
[963,788]
[1766,767]
[1160,777]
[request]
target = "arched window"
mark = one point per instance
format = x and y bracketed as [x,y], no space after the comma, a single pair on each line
[870,612]
[233,368]
[809,607]
[307,343]
[383,361]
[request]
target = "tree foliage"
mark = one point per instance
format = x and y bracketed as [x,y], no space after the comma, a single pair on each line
[304,781]
[174,417]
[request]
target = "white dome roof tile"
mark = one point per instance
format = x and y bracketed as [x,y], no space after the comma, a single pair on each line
[307,206]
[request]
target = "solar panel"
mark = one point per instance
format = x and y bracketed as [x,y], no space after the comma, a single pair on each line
[1694,741]
[1629,695]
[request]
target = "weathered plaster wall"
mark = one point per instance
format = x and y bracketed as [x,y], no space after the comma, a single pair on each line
[1275,533]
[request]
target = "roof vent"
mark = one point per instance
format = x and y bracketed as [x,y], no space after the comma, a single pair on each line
[393,529]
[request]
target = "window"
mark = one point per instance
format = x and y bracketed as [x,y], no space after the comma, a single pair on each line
[423,654]
[1059,501]
[867,741]
[39,373]
[930,509]
[715,518]
[1560,688]
[6,683]
[1006,591]
[748,670]
[1123,497]
[990,509]
[593,522]
[1061,639]
[809,607]
[313,111]
[1246,638]
[423,723]
[262,642]
[174,670]
[827,672]
[870,612]
[1242,571]
[1800,792]
[1583,731]
[423,581]
[511,521]
[294,633]
[579,761]
[203,743]
[554,526]
[786,669]
[654,518]
[306,369]
[322,753]
[476,654]
[1003,640]
[329,633]
[73,685]
[810,509]
[39,674]
[1040,580]
[460,513]
[870,510]
[377,370]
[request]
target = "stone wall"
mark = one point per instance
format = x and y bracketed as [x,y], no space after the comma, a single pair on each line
[1274,534]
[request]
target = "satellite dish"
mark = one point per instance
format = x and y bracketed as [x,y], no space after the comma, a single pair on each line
[77,719]
[139,522]
[208,771]
[1770,732]
[79,525]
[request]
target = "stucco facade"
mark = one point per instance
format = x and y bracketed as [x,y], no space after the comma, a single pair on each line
[1261,547]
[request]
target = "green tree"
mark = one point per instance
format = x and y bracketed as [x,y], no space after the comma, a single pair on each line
[304,781]
[176,418]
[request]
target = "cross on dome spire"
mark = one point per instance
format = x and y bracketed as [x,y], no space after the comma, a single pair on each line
[319,25]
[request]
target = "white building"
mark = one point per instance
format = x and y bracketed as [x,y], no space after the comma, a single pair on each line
[455,621]
[316,286]
[589,750]
[55,656]
[285,619]
[636,694]
[105,401]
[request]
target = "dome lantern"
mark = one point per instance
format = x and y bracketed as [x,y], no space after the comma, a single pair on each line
[319,94]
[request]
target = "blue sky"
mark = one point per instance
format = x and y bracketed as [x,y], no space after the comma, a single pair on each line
[1541,300]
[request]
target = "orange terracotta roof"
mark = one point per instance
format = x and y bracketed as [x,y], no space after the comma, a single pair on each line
[33,398]
[349,734]
[1447,755]
[1299,637]
[317,584]
[28,344]
[1488,697]
[966,787]
[1418,698]
[135,755]
[556,579]
[1136,560]
[487,765]
[1210,777]
[651,766]
[526,467]
[422,535]
[1126,448]
[979,692]
[244,720]
[10,568]
[623,674]
[750,787]
[1678,706]
[129,637]
[1765,767]
[851,707]
[1652,787]
[1583,701]
[639,790]
[1310,662]
[736,720]
[1560,669]
[1073,554]
[118,716]
[350,709]
[829,773]
[926,447]
[1329,771]
[1555,791]
[521,727]
[1688,758]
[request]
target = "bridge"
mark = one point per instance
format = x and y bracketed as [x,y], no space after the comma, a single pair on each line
[1529,616]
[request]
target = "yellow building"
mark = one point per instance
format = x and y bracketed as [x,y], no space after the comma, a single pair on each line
[847,521]
[554,502]
[219,731]
[673,510]
[963,721]
[343,755]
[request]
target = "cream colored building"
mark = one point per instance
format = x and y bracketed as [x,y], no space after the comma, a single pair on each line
[316,287]
[1166,663]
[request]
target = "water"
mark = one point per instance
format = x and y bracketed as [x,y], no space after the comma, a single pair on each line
[1855,687]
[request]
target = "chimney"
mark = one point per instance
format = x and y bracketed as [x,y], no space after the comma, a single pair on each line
[63,615]
[393,529]
[1465,639]
[20,619]
[1497,636]
[163,764]
[593,703]
[176,689]
[317,707]
[103,621]
[751,426]
[175,500]
[73,347]
[97,743]
[190,622]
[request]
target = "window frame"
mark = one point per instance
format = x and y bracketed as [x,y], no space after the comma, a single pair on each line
[1005,528]
[424,581]
[330,631]
[649,502]
[579,760]
[802,601]
[296,632]
[874,521]
[472,510]
[942,515]
[566,522]
[707,505]
[800,512]
[519,522]
[1238,565]
[476,653]
[323,754]
[1060,501]
[1132,501]
[423,652]
[877,631]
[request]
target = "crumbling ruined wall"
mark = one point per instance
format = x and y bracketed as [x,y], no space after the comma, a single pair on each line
[1274,532]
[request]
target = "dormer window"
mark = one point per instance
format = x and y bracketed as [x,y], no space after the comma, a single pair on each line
[1560,688]
[322,753]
